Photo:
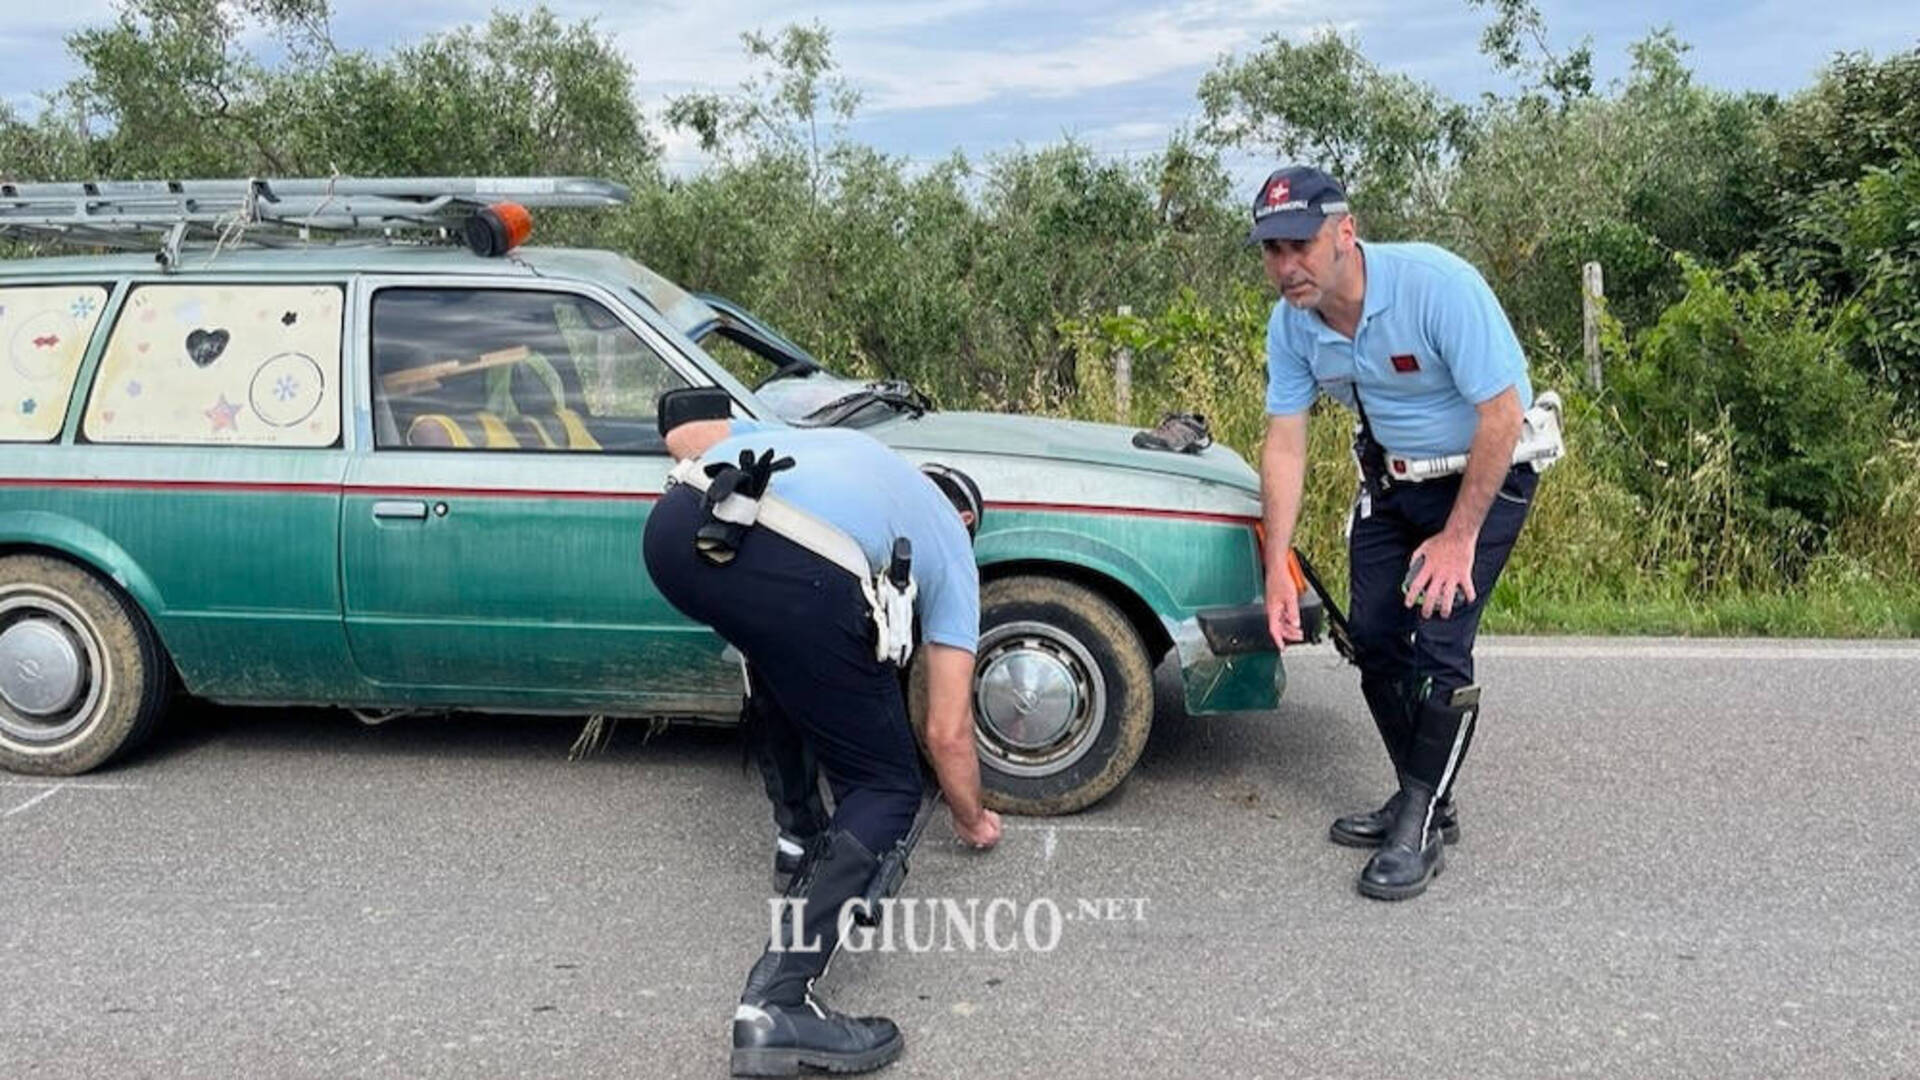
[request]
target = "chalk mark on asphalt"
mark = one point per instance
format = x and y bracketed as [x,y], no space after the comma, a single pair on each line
[1050,834]
[76,785]
[35,801]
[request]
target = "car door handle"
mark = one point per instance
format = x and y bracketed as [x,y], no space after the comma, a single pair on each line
[411,509]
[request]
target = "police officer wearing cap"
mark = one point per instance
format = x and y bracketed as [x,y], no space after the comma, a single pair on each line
[802,613]
[1410,337]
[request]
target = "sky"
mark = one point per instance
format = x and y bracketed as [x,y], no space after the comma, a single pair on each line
[1119,76]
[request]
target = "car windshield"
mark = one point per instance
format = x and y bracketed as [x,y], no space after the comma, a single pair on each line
[788,379]
[684,310]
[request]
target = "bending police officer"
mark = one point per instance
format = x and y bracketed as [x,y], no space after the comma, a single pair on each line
[1410,337]
[806,625]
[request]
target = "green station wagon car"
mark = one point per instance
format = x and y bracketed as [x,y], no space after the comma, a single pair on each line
[400,475]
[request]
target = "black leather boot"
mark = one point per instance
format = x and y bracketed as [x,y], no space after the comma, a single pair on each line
[1412,853]
[1395,717]
[1369,829]
[780,1026]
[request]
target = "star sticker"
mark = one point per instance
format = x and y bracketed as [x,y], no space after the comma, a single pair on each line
[222,414]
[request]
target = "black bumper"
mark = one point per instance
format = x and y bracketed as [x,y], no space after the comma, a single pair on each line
[1234,631]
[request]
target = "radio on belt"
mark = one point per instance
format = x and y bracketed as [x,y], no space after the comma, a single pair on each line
[1539,447]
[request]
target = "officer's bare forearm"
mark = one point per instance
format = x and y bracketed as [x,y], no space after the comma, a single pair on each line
[696,437]
[950,729]
[1488,460]
[1283,475]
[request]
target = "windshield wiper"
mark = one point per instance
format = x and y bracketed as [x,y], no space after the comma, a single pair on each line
[896,394]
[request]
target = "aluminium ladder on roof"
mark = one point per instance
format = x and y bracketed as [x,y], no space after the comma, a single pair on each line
[128,213]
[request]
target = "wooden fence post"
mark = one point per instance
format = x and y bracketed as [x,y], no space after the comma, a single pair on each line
[1123,377]
[1593,294]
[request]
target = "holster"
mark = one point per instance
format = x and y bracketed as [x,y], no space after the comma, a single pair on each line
[893,864]
[1371,459]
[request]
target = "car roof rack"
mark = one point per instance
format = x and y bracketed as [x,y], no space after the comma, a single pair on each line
[266,212]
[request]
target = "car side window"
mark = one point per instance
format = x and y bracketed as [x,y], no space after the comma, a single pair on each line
[45,330]
[511,369]
[221,364]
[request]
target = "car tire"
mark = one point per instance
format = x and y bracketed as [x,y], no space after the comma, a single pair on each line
[82,676]
[1063,696]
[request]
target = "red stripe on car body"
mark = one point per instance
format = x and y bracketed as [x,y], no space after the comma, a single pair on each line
[390,490]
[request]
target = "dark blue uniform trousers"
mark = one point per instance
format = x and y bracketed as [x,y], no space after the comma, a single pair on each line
[803,625]
[1406,661]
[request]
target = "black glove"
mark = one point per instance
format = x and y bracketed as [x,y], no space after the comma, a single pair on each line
[718,541]
[750,478]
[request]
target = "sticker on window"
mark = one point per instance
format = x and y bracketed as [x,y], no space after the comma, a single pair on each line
[45,330]
[218,364]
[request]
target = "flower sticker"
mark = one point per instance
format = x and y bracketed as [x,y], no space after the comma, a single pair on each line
[28,407]
[81,307]
[286,388]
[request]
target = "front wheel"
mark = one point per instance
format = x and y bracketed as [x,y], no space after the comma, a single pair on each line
[1062,696]
[82,677]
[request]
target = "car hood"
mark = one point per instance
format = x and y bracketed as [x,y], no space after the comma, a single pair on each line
[1059,440]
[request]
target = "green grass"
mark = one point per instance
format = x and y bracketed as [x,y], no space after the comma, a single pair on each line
[1833,612]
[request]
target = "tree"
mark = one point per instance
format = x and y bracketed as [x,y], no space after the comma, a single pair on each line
[1847,191]
[525,94]
[779,109]
[1516,41]
[1859,114]
[170,89]
[1386,136]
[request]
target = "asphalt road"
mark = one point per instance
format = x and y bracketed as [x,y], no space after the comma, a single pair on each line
[1680,859]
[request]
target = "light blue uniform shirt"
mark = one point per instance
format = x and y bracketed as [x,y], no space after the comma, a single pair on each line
[875,496]
[1432,343]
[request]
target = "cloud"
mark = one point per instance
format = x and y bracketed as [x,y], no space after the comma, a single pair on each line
[894,55]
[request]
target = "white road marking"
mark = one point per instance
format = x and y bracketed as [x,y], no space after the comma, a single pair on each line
[1873,652]
[77,785]
[1050,834]
[1870,651]
[35,801]
[1077,828]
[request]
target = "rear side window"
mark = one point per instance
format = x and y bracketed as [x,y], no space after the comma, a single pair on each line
[217,364]
[45,330]
[511,369]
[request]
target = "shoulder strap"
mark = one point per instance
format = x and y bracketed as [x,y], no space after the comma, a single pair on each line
[818,536]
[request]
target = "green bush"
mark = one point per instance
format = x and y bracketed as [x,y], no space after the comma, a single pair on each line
[1745,421]
[1860,243]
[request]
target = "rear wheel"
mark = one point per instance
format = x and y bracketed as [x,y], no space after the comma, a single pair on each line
[1063,695]
[82,677]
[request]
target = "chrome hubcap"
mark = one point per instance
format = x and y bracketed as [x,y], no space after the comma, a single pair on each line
[40,670]
[1039,702]
[50,664]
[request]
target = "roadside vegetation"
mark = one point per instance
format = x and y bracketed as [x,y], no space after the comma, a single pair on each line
[1749,464]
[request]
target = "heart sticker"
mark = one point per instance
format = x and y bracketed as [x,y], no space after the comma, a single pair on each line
[205,346]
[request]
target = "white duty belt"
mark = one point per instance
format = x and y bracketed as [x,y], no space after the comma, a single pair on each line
[1539,447]
[890,606]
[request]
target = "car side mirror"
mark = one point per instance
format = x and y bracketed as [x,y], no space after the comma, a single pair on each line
[689,403]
